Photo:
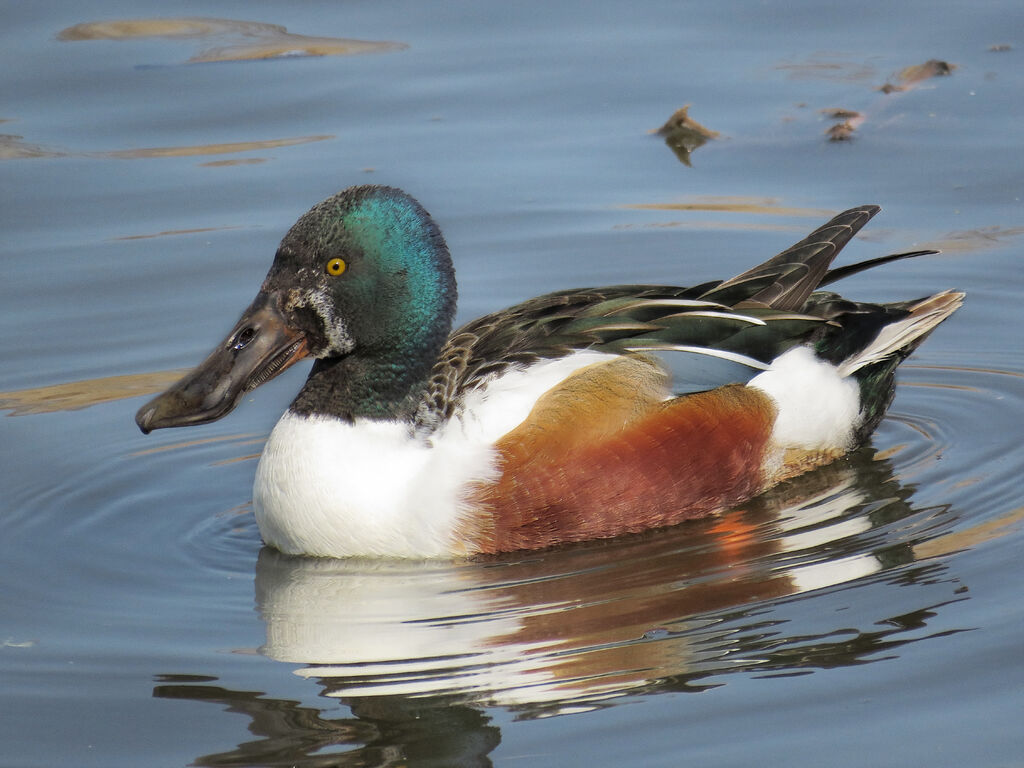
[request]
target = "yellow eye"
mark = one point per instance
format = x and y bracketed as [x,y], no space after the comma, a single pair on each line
[335,267]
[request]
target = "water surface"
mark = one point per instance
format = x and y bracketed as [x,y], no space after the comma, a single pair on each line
[867,613]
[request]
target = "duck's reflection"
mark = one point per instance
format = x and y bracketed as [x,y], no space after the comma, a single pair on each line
[562,629]
[382,731]
[412,648]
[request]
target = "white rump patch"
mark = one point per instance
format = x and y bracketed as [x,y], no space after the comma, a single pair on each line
[818,407]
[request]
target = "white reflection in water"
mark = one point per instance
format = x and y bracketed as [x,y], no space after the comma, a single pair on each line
[571,628]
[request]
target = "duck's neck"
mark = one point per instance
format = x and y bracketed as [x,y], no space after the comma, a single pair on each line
[363,386]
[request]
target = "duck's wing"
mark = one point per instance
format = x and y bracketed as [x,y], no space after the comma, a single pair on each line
[749,319]
[785,281]
[617,320]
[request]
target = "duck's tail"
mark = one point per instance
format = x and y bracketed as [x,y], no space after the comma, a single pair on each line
[898,339]
[904,325]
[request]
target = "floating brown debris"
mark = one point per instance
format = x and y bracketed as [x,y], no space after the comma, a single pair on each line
[132,29]
[75,395]
[13,148]
[838,113]
[239,161]
[832,66]
[259,40]
[848,119]
[212,149]
[733,204]
[294,45]
[911,76]
[931,68]
[841,131]
[683,134]
[681,119]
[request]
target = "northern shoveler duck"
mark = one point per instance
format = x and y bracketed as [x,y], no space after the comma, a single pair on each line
[548,422]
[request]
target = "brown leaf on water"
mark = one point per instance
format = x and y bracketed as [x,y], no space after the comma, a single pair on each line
[256,39]
[931,68]
[683,134]
[911,76]
[838,113]
[75,395]
[849,121]
[841,131]
[681,119]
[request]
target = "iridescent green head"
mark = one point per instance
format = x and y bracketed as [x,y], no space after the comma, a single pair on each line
[373,267]
[364,283]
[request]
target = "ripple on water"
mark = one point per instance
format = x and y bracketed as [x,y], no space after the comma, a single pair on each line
[753,590]
[175,508]
[575,628]
[966,419]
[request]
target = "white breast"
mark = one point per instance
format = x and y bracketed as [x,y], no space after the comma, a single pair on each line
[329,488]
[325,487]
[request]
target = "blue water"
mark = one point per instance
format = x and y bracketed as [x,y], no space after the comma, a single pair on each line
[867,614]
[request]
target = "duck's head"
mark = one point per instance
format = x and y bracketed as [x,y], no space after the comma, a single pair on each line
[366,273]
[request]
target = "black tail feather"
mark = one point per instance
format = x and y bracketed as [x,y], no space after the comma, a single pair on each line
[852,269]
